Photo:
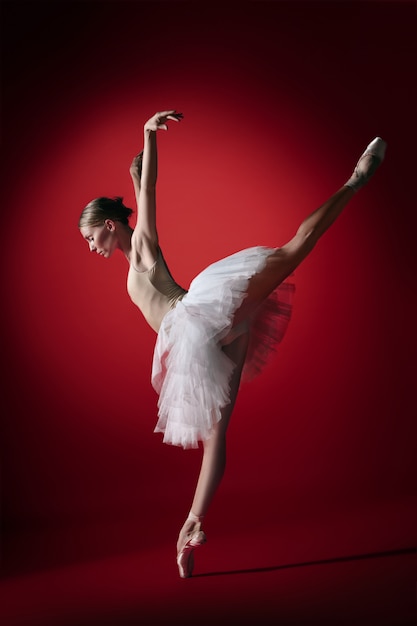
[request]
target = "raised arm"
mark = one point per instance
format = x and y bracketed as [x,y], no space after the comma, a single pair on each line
[145,236]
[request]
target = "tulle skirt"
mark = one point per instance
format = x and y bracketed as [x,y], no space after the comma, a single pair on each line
[190,371]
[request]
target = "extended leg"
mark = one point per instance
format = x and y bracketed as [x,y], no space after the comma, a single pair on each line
[281,263]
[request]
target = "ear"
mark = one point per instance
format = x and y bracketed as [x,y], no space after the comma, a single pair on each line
[110,225]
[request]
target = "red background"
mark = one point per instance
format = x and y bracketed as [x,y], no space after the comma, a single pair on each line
[279,100]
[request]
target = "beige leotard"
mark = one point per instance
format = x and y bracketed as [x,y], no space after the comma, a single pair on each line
[154,291]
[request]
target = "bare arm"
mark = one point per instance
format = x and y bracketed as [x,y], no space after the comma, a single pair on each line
[136,173]
[145,236]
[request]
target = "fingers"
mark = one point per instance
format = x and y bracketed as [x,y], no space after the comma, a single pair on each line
[170,115]
[171,112]
[137,160]
[158,121]
[177,117]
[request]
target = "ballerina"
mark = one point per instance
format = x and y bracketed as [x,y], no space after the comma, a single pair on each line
[219,331]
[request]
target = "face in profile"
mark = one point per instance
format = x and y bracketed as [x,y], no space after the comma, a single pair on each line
[101,239]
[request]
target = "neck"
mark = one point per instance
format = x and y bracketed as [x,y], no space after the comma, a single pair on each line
[124,235]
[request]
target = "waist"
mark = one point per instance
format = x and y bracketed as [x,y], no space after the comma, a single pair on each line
[157,311]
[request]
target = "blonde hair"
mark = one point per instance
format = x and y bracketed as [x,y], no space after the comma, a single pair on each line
[101,209]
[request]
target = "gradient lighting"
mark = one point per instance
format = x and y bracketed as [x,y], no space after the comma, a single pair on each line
[321,447]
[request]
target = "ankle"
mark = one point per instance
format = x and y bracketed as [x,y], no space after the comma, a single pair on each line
[363,171]
[195,518]
[192,523]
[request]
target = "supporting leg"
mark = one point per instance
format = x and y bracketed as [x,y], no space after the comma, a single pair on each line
[213,462]
[214,457]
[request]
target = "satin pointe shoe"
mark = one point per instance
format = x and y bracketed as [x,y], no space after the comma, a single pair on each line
[370,160]
[185,557]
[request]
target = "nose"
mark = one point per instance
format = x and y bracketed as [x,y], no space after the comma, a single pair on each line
[92,246]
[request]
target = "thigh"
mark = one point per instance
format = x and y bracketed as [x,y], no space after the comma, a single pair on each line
[262,284]
[236,351]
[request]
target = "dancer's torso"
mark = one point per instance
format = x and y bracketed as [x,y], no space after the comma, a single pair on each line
[154,291]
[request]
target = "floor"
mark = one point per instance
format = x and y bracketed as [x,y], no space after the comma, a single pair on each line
[328,572]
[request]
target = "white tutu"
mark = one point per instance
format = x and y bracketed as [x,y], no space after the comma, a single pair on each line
[190,371]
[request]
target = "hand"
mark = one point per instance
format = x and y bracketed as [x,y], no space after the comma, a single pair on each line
[159,120]
[136,165]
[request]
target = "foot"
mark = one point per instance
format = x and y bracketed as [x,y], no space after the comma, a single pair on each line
[367,164]
[191,537]
[185,556]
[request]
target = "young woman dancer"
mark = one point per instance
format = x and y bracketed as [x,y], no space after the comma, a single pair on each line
[232,315]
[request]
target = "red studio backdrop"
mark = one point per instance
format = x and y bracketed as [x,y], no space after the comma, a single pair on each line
[279,101]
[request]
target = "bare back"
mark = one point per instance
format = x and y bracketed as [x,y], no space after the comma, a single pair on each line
[154,291]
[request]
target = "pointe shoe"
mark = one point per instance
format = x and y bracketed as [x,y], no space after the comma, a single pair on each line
[185,557]
[370,160]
